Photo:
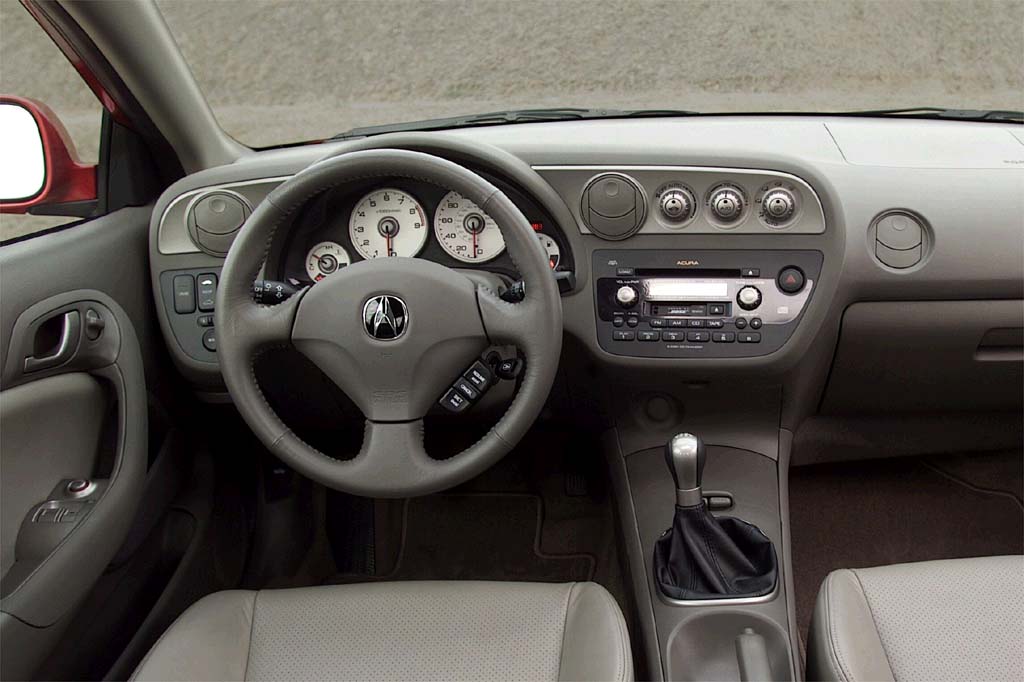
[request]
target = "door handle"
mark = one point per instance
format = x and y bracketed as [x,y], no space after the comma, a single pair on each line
[70,331]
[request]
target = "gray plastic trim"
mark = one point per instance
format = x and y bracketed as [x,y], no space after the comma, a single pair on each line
[172,231]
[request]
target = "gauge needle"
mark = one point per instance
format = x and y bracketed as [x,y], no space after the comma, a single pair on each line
[474,245]
[388,238]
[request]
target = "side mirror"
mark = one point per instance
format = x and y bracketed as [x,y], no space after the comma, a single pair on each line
[41,173]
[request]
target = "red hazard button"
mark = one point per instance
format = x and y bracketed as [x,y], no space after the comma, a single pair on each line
[791,279]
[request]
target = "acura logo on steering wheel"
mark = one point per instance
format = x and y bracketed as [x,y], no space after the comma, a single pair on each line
[385,317]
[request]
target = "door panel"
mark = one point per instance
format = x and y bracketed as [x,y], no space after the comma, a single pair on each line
[73,405]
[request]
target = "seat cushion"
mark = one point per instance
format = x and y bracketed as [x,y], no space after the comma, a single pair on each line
[398,631]
[960,619]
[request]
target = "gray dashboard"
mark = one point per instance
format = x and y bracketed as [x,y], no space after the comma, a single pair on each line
[959,186]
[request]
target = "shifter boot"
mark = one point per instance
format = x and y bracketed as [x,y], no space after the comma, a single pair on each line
[704,557]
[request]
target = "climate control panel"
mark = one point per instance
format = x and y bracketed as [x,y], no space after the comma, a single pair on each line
[700,304]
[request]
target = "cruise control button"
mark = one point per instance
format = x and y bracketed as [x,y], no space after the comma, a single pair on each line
[698,337]
[467,389]
[715,324]
[741,323]
[454,401]
[673,336]
[479,375]
[716,309]
[648,335]
[755,323]
[622,335]
[749,337]
[723,337]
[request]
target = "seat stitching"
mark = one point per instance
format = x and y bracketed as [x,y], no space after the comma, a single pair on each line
[835,650]
[565,623]
[874,621]
[252,627]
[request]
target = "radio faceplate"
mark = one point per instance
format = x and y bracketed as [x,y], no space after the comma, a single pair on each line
[700,304]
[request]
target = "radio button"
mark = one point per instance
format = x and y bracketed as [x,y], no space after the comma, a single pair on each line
[751,272]
[673,336]
[656,322]
[696,323]
[620,335]
[716,309]
[755,323]
[723,337]
[632,321]
[741,323]
[698,337]
[698,310]
[648,335]
[624,272]
[618,320]
[749,337]
[715,324]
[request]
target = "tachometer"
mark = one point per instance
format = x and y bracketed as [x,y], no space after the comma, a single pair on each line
[466,232]
[324,259]
[551,248]
[388,222]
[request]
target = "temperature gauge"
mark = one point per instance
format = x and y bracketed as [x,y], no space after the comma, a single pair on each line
[551,247]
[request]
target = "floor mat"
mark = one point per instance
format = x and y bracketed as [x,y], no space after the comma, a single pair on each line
[861,514]
[479,537]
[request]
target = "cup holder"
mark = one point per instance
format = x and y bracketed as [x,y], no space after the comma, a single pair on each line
[704,647]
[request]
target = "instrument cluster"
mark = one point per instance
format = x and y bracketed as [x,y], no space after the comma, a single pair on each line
[408,219]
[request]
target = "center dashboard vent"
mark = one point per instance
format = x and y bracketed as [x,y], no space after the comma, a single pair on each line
[613,206]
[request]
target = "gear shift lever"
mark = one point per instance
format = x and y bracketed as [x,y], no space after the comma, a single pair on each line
[703,556]
[685,456]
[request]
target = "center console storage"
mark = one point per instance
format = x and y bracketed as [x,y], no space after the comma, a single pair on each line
[715,636]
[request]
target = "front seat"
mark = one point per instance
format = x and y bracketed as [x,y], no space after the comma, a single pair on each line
[398,631]
[959,619]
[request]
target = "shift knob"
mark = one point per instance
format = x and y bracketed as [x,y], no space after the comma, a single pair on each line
[685,455]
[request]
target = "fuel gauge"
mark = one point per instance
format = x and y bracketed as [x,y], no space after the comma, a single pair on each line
[324,259]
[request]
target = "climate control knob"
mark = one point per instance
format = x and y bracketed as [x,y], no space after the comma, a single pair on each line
[677,204]
[749,297]
[726,203]
[626,296]
[778,205]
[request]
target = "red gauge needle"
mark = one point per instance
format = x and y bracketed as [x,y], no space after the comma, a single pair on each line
[388,238]
[474,245]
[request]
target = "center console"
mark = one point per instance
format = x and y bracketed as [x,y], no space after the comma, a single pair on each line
[700,304]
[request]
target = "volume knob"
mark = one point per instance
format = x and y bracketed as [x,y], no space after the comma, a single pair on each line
[749,297]
[626,296]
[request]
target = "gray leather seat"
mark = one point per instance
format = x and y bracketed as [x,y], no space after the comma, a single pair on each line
[398,631]
[960,619]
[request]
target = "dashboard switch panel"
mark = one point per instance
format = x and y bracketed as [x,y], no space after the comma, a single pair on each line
[701,304]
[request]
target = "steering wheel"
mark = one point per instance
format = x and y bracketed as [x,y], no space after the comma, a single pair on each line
[392,333]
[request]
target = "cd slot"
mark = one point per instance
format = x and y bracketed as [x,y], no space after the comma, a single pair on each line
[696,273]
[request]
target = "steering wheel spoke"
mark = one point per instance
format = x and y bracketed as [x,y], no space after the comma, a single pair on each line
[262,326]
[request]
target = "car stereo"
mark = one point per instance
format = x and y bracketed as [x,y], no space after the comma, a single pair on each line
[700,304]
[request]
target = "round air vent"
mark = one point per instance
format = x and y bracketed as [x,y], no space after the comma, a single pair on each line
[899,239]
[613,206]
[214,219]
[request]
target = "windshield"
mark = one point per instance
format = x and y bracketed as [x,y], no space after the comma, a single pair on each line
[280,72]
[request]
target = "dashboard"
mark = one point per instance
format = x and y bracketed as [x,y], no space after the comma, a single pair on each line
[731,250]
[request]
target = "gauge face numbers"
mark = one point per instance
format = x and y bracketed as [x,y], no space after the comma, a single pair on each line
[324,259]
[551,248]
[466,232]
[387,223]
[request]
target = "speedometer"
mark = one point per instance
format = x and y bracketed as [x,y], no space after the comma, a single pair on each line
[466,232]
[386,223]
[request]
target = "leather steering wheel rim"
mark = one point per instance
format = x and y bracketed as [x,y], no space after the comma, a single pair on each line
[392,461]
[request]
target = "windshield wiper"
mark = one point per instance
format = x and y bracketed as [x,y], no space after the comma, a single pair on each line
[993,115]
[511,116]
